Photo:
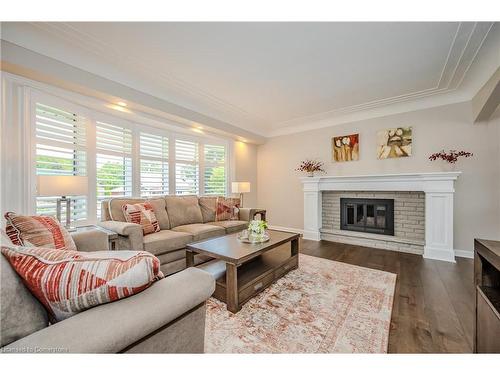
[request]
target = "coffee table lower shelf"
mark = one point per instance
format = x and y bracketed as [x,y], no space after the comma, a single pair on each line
[253,276]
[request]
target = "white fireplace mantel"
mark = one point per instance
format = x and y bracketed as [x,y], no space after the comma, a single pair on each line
[437,186]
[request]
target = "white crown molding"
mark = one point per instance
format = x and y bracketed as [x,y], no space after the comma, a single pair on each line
[450,97]
[467,42]
[99,105]
[97,48]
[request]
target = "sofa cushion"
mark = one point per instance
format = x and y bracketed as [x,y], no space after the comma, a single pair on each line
[227,209]
[38,231]
[142,214]
[231,226]
[68,282]
[208,207]
[201,231]
[165,241]
[171,256]
[180,264]
[159,208]
[176,255]
[116,204]
[20,313]
[183,210]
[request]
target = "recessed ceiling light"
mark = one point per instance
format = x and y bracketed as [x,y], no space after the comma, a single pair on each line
[119,108]
[122,104]
[196,130]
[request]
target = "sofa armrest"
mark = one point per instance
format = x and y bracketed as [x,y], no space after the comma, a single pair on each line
[92,240]
[130,230]
[115,326]
[247,214]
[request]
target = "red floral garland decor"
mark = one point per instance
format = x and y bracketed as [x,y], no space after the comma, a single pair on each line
[450,156]
[310,166]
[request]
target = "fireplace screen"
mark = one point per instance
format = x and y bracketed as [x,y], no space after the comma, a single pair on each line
[367,215]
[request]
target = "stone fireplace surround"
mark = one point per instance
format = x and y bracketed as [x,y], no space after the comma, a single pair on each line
[437,189]
[409,221]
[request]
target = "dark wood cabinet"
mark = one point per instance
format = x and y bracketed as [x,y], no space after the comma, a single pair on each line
[487,282]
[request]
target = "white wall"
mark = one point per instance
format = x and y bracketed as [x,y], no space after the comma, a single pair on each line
[477,197]
[245,169]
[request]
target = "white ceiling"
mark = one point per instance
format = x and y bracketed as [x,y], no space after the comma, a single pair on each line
[268,78]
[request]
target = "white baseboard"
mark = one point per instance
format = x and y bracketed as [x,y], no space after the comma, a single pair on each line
[286,229]
[469,254]
[464,254]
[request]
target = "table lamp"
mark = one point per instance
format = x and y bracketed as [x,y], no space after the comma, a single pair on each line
[240,188]
[62,186]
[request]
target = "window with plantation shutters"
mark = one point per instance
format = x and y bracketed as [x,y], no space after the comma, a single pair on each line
[186,167]
[153,151]
[113,162]
[60,137]
[214,157]
[121,158]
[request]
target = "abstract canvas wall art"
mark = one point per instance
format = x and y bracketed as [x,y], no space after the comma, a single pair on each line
[394,143]
[345,148]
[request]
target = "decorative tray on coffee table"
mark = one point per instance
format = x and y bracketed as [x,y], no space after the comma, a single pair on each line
[243,237]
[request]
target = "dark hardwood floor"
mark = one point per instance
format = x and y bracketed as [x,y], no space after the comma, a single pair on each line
[433,303]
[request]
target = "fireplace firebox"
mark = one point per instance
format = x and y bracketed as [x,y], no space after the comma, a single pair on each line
[367,215]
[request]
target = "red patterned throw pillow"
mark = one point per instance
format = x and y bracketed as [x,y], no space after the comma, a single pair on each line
[143,214]
[38,231]
[68,282]
[227,209]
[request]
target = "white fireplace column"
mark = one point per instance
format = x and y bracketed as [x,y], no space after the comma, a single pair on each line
[312,209]
[439,220]
[438,188]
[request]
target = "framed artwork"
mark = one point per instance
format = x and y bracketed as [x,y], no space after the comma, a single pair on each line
[345,148]
[394,143]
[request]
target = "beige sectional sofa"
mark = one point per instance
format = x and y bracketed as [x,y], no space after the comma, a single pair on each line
[167,317]
[182,220]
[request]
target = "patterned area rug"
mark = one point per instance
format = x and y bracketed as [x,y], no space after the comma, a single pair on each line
[322,307]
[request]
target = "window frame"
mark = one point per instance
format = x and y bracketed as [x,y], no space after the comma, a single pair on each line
[201,158]
[215,164]
[116,121]
[159,133]
[92,116]
[34,97]
[180,161]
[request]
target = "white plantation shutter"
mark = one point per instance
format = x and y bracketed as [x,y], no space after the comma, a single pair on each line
[120,157]
[153,151]
[186,167]
[113,162]
[60,137]
[215,169]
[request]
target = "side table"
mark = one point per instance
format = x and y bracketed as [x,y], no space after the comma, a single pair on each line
[112,236]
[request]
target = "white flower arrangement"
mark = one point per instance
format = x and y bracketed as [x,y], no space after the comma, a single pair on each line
[257,226]
[257,230]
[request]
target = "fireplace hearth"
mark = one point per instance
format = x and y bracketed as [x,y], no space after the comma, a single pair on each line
[367,215]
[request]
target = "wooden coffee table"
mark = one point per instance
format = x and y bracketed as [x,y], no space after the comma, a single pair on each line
[243,270]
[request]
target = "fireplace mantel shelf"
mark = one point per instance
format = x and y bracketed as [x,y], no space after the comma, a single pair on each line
[426,182]
[437,186]
[450,175]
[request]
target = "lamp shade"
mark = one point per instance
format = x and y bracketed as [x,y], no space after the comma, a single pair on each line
[52,186]
[240,187]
